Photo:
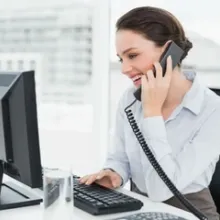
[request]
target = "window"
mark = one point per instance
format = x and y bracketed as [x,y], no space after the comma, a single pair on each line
[9,65]
[20,65]
[39,30]
[27,34]
[32,64]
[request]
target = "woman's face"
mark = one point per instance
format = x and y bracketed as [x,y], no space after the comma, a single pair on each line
[136,54]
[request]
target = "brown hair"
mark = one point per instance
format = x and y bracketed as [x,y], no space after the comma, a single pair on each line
[155,24]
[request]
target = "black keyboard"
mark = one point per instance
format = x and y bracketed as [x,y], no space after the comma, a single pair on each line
[151,216]
[98,200]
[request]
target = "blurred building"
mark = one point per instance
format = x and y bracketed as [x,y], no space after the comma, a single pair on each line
[26,61]
[62,37]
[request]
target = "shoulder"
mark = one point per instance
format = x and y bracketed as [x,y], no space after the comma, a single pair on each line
[212,105]
[127,97]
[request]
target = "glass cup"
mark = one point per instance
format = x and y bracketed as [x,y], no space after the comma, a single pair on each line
[57,194]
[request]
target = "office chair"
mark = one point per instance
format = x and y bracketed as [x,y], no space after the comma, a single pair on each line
[216,90]
[214,186]
[215,183]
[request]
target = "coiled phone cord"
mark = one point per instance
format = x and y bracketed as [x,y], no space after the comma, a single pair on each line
[157,166]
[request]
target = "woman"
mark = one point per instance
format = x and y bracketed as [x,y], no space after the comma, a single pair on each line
[179,118]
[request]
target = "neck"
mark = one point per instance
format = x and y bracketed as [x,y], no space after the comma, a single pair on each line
[178,88]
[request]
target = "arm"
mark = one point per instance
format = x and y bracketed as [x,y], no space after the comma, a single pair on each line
[117,158]
[197,155]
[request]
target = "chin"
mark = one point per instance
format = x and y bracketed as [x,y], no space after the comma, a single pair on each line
[137,84]
[136,87]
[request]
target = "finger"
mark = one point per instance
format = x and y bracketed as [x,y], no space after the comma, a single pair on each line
[116,181]
[97,176]
[150,77]
[84,179]
[102,173]
[169,68]
[91,179]
[144,79]
[159,70]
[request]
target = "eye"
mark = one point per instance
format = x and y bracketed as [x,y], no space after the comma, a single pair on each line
[132,56]
[120,60]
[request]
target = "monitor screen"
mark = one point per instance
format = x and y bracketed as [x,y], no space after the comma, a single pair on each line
[7,79]
[19,139]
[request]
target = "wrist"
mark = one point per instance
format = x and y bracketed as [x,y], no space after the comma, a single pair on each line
[152,113]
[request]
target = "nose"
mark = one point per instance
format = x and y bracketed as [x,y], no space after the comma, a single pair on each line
[126,68]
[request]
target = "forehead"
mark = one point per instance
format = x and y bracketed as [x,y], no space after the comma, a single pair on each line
[127,36]
[125,39]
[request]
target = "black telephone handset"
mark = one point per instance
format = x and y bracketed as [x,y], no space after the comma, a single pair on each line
[176,53]
[172,50]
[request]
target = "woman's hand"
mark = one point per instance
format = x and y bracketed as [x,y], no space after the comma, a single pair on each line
[106,178]
[155,90]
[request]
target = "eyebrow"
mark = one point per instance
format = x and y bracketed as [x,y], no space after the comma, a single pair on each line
[127,50]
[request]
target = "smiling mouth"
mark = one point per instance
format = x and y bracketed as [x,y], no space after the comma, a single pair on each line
[136,78]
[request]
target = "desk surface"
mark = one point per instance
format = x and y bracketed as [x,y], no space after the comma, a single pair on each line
[36,212]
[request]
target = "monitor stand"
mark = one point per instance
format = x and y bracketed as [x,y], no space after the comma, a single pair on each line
[14,196]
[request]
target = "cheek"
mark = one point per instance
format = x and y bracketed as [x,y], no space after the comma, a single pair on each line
[146,64]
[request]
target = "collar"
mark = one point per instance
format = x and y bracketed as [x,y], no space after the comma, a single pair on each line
[193,99]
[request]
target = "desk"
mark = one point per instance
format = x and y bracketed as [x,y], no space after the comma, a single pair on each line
[36,212]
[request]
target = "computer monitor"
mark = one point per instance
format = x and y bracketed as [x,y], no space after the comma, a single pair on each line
[19,139]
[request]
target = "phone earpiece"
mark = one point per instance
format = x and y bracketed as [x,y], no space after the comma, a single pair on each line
[137,94]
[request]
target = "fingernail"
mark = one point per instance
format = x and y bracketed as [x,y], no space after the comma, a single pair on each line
[98,177]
